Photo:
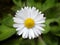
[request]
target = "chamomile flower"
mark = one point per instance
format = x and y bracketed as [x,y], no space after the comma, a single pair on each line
[29,22]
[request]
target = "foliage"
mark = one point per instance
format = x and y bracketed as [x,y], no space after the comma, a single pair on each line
[51,9]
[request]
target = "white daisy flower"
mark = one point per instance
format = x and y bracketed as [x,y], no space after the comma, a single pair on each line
[29,22]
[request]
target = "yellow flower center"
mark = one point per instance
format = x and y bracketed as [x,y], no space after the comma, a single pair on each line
[29,23]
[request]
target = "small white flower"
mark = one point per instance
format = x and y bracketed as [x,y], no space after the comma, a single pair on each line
[29,22]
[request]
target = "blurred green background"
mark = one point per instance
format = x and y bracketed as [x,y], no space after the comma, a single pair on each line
[51,9]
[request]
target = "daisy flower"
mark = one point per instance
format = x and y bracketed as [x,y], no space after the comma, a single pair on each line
[29,22]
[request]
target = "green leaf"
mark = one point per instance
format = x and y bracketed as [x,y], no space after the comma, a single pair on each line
[53,12]
[18,3]
[48,4]
[50,39]
[8,21]
[43,7]
[52,25]
[55,25]
[18,41]
[32,3]
[41,41]
[57,33]
[6,32]
[32,42]
[27,42]
[12,41]
[47,27]
[56,30]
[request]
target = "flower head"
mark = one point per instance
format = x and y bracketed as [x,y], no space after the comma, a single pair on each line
[29,22]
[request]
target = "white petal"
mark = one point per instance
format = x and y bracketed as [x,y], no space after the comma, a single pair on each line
[25,34]
[20,27]
[20,31]
[30,12]
[18,20]
[22,14]
[35,32]
[42,25]
[17,25]
[34,13]
[33,8]
[26,13]
[38,32]
[40,17]
[31,34]
[39,27]
[18,16]
[42,21]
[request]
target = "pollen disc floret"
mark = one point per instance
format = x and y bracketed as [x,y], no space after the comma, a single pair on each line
[29,22]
